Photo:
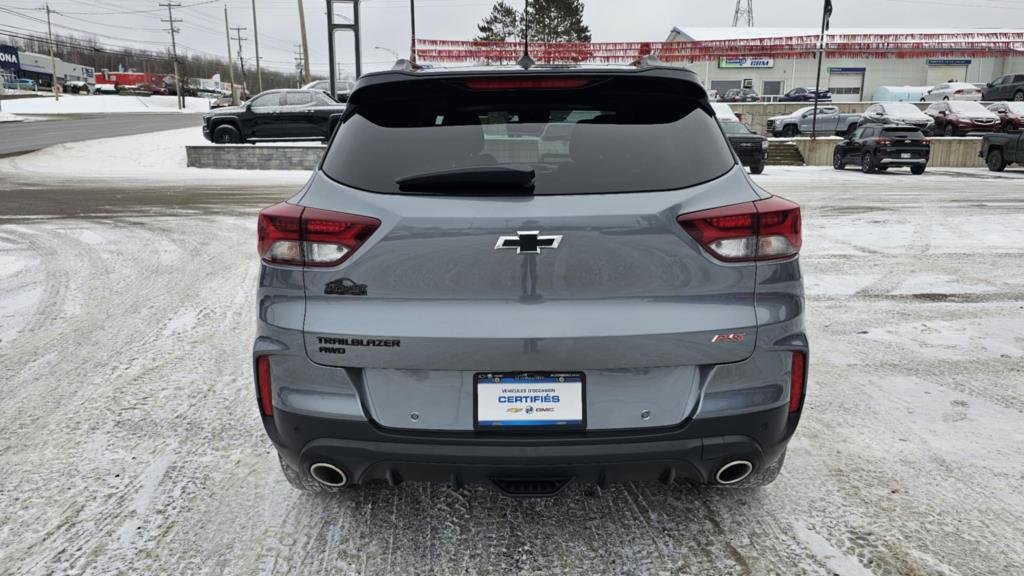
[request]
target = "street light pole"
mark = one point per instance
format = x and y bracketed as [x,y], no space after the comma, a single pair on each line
[389,50]
[826,13]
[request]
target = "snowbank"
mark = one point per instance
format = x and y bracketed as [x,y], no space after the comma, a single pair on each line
[100,103]
[156,156]
[8,117]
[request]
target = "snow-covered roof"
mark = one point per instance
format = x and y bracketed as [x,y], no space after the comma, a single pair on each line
[706,34]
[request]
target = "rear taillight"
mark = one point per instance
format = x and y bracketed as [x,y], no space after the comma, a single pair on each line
[883,141]
[796,381]
[763,230]
[958,92]
[926,141]
[263,389]
[298,236]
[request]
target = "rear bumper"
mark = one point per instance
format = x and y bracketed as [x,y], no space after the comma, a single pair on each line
[694,451]
[903,162]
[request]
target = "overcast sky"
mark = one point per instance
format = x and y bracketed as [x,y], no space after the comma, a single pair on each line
[386,22]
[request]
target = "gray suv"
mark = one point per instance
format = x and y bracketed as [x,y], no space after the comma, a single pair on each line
[447,300]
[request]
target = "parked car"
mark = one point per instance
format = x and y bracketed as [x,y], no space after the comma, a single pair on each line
[1008,87]
[740,95]
[952,91]
[76,87]
[221,102]
[806,95]
[751,148]
[1000,150]
[956,118]
[897,113]
[1011,114]
[342,89]
[900,93]
[878,147]
[21,84]
[724,113]
[801,121]
[275,115]
[438,306]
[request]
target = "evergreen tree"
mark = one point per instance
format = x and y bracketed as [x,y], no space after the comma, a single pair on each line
[550,21]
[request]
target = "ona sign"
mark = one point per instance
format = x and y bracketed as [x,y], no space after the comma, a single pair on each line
[9,59]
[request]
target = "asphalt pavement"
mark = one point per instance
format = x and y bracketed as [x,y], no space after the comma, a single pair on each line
[131,441]
[20,137]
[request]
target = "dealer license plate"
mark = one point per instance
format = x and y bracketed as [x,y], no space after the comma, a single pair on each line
[530,400]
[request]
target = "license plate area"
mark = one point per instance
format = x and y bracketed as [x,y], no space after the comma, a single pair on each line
[529,401]
[905,155]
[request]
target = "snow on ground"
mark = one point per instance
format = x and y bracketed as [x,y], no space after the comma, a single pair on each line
[132,444]
[8,117]
[101,103]
[153,157]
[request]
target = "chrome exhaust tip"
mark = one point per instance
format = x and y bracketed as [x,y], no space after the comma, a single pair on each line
[733,472]
[328,474]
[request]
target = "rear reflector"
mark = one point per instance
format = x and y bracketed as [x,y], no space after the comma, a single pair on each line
[763,230]
[796,387]
[298,236]
[526,83]
[263,389]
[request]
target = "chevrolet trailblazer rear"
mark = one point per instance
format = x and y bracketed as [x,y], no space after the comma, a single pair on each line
[530,278]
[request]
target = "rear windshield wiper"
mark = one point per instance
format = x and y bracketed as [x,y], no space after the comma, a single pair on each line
[473,180]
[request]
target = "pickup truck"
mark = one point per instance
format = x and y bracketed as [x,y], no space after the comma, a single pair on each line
[830,121]
[1002,149]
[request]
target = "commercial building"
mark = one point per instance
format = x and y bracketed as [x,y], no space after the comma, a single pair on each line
[17,64]
[859,61]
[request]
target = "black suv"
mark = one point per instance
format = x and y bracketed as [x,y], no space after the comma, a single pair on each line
[878,148]
[1008,87]
[275,115]
[751,148]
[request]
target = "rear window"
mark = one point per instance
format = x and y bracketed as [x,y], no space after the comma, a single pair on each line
[903,133]
[616,134]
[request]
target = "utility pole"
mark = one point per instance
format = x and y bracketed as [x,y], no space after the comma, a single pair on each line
[241,62]
[412,25]
[305,44]
[174,50]
[256,40]
[53,61]
[231,65]
[298,65]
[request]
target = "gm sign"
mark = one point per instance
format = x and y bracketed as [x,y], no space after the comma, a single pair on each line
[9,61]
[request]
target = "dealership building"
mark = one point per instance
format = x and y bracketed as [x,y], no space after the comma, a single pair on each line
[859,61]
[17,64]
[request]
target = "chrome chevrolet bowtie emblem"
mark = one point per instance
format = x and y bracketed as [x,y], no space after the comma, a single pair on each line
[527,242]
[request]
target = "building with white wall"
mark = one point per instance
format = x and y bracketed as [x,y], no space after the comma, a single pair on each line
[852,79]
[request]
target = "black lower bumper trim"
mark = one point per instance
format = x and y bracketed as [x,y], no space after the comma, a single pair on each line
[695,451]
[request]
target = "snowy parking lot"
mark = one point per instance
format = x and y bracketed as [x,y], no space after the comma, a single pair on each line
[131,443]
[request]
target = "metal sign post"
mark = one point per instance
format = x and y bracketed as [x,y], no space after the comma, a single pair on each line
[332,27]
